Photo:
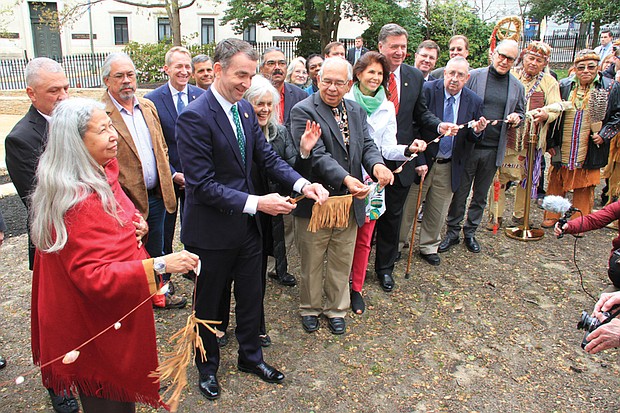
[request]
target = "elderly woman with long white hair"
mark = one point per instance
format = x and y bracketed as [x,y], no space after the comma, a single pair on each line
[92,270]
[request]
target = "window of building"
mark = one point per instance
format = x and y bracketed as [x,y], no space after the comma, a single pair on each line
[164,31]
[249,34]
[121,30]
[207,30]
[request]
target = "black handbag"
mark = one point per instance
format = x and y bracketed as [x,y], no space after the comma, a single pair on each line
[597,155]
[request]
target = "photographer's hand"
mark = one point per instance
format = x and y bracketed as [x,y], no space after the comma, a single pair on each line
[606,302]
[604,337]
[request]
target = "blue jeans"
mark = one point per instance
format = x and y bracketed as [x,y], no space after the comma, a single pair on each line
[155,238]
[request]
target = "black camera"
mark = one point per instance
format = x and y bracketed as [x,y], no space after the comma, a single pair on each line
[590,323]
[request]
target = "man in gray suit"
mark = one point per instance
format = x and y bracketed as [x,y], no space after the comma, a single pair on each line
[336,162]
[504,99]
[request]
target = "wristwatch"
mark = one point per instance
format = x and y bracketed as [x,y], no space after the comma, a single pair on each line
[159,265]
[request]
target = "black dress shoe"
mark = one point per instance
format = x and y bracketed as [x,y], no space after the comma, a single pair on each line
[310,323]
[265,340]
[432,259]
[171,289]
[264,371]
[2,362]
[447,243]
[222,341]
[472,245]
[337,325]
[209,387]
[287,280]
[386,281]
[65,403]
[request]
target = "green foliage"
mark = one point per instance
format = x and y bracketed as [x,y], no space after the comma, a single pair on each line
[149,57]
[451,17]
[379,13]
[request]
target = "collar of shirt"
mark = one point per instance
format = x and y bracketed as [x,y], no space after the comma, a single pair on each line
[226,106]
[46,117]
[120,108]
[457,97]
[175,92]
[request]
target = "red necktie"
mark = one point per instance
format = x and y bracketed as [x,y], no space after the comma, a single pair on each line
[393,91]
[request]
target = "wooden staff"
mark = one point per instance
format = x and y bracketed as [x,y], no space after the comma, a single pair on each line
[415,225]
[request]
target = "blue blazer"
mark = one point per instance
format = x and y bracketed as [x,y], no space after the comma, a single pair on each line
[167,112]
[217,181]
[470,108]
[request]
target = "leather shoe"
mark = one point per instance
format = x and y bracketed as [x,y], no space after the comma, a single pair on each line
[209,387]
[65,403]
[223,340]
[287,280]
[264,371]
[472,245]
[174,302]
[310,323]
[337,325]
[447,243]
[2,362]
[386,281]
[432,259]
[265,340]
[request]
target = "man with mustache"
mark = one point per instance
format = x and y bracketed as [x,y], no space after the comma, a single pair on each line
[273,67]
[142,155]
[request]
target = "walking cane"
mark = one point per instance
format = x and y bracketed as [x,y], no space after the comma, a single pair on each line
[415,225]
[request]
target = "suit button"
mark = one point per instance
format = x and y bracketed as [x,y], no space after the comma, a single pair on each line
[346,158]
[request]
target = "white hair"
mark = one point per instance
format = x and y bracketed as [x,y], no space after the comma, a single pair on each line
[66,175]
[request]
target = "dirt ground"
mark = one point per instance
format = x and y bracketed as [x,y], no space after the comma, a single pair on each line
[488,332]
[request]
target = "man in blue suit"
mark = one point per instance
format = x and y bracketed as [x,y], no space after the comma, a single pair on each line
[170,99]
[449,100]
[219,142]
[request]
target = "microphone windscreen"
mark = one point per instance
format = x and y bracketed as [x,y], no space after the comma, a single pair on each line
[555,203]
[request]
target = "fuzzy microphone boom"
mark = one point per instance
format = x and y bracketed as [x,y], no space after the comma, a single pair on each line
[559,205]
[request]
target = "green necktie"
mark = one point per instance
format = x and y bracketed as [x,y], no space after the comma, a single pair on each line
[240,137]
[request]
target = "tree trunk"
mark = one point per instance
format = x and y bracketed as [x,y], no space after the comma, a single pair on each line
[595,32]
[172,9]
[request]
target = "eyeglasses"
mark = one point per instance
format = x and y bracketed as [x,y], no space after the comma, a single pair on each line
[590,68]
[121,76]
[502,56]
[338,83]
[457,75]
[272,63]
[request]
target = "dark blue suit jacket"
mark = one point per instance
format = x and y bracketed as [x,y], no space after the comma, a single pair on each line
[470,108]
[167,112]
[217,181]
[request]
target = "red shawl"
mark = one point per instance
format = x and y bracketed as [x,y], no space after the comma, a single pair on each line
[98,277]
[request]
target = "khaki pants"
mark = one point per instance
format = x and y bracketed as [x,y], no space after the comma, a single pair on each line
[326,258]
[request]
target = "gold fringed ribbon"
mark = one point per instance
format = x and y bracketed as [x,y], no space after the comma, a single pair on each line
[174,366]
[334,213]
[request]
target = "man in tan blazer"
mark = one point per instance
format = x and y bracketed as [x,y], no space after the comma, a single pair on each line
[142,155]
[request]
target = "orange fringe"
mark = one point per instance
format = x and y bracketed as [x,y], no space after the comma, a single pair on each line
[174,368]
[334,213]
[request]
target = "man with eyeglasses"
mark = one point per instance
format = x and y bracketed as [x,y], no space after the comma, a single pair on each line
[450,101]
[336,161]
[273,67]
[145,174]
[541,90]
[504,102]
[577,150]
[457,46]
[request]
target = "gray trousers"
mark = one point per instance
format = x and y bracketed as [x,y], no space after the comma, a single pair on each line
[479,171]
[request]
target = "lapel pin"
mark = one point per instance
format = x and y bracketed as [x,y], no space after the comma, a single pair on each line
[246,115]
[406,84]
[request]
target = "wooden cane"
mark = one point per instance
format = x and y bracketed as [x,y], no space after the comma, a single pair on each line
[415,225]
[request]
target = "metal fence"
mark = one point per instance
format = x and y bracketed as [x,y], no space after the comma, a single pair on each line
[564,47]
[83,71]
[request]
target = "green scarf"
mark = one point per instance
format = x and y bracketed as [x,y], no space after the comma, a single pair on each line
[369,103]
